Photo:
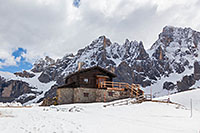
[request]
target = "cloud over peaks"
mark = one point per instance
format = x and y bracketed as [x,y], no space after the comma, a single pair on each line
[57,27]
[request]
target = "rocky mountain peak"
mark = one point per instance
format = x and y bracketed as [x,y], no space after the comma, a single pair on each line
[97,45]
[49,61]
[127,41]
[176,44]
[135,50]
[41,64]
[101,41]
[177,32]
[66,57]
[177,37]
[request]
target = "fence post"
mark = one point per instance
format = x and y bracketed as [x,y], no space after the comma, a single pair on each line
[191,108]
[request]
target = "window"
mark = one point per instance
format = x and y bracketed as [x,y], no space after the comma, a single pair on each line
[85,94]
[85,80]
[110,94]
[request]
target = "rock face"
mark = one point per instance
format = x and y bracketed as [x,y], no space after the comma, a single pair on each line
[40,65]
[13,89]
[176,51]
[172,63]
[100,52]
[186,83]
[197,70]
[24,74]
[168,85]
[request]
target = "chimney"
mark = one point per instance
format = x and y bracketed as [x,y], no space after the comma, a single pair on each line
[112,69]
[80,64]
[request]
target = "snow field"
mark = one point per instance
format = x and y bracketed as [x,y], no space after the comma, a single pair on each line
[90,118]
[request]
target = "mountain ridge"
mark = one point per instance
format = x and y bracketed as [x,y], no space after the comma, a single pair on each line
[174,54]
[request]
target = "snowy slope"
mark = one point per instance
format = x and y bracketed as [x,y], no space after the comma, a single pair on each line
[90,118]
[33,82]
[185,97]
[157,88]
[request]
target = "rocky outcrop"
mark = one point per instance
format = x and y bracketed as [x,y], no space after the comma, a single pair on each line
[14,89]
[169,85]
[25,98]
[197,70]
[44,78]
[124,73]
[186,83]
[25,74]
[52,92]
[41,64]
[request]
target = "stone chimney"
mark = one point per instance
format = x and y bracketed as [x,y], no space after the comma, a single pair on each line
[112,69]
[80,64]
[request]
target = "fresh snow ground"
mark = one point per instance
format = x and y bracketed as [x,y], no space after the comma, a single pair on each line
[94,118]
[185,97]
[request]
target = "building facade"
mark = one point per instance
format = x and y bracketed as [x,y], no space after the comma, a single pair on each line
[88,85]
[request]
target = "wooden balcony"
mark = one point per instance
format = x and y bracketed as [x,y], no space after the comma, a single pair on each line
[121,86]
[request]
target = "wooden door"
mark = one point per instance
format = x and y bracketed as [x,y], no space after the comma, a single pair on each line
[100,80]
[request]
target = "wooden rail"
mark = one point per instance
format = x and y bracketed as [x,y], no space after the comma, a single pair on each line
[120,86]
[125,102]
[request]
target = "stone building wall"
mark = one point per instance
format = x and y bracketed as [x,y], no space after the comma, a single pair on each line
[65,95]
[116,95]
[86,95]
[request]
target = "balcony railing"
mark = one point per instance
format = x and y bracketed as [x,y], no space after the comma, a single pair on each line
[120,86]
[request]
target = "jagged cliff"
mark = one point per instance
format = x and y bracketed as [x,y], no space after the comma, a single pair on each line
[172,63]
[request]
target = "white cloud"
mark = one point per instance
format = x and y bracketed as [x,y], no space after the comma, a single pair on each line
[8,62]
[18,59]
[56,27]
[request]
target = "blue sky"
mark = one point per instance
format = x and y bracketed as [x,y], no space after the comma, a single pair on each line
[1,60]
[21,63]
[76,3]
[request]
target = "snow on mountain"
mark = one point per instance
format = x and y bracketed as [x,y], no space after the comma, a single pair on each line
[177,45]
[100,52]
[105,53]
[177,52]
[172,63]
[157,87]
[41,64]
[38,89]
